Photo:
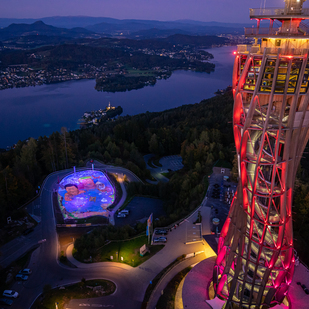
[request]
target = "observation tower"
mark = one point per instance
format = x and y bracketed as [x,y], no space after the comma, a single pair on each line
[255,261]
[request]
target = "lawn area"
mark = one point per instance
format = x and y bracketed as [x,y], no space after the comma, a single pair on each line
[151,178]
[167,175]
[83,289]
[129,250]
[132,72]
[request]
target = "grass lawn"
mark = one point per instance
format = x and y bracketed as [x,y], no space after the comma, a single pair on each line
[129,250]
[152,178]
[167,175]
[74,291]
[132,72]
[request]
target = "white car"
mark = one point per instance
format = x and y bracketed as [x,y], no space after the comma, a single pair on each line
[124,211]
[21,277]
[10,294]
[160,239]
[121,215]
[26,271]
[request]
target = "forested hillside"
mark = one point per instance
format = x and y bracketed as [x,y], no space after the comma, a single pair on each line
[200,132]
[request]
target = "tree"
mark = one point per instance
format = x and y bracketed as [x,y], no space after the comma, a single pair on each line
[118,161]
[85,254]
[107,156]
[153,144]
[198,167]
[64,131]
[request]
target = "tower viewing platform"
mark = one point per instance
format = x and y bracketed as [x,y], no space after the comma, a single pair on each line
[293,19]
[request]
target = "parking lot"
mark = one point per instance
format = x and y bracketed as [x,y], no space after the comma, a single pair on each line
[140,208]
[193,232]
[219,198]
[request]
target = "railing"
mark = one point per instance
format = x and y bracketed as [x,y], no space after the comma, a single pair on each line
[286,51]
[261,31]
[274,31]
[277,12]
[254,49]
[244,49]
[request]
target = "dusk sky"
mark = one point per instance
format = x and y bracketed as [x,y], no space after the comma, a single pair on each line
[203,10]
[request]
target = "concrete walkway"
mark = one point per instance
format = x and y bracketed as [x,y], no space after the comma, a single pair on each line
[169,276]
[93,265]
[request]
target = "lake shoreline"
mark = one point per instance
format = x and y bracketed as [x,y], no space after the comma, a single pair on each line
[38,111]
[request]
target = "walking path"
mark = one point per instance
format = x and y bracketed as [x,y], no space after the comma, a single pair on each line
[170,163]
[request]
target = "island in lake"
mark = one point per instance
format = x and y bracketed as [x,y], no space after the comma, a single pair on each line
[95,117]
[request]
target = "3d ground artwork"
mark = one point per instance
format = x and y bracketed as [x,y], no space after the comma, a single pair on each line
[85,194]
[255,262]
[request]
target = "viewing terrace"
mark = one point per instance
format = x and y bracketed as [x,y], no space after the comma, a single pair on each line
[302,33]
[279,13]
[257,49]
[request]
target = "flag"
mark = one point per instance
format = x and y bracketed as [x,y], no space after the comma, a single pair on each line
[149,223]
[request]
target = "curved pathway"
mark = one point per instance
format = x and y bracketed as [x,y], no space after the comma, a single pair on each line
[155,171]
[131,282]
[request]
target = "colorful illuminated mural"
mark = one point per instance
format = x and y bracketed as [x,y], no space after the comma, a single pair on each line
[85,194]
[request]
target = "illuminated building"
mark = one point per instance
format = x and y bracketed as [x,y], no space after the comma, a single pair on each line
[255,262]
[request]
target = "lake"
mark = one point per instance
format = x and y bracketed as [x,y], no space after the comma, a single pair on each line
[34,111]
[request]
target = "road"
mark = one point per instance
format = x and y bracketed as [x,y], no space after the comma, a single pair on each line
[131,282]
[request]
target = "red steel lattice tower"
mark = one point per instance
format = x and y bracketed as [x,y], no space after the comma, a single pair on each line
[255,261]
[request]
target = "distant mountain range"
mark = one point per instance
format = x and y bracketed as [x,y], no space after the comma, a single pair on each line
[71,26]
[40,28]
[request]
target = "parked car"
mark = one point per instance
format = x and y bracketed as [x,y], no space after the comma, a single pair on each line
[121,215]
[160,239]
[26,271]
[161,232]
[124,211]
[28,231]
[21,277]
[10,294]
[5,301]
